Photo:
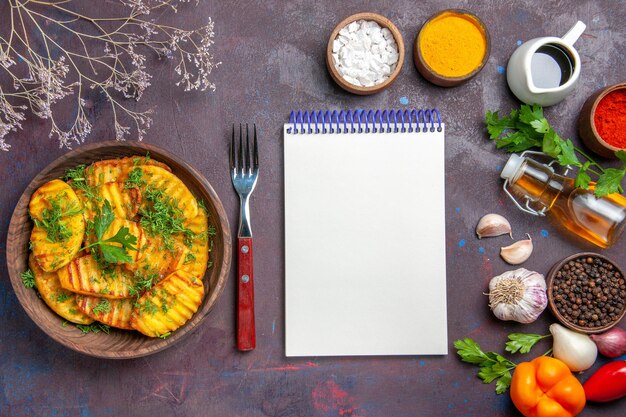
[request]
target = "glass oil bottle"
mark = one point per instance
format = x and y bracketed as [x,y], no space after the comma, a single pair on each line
[537,189]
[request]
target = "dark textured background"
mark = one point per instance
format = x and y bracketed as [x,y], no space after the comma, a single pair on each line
[272,55]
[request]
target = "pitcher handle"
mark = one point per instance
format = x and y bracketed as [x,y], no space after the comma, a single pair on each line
[574,33]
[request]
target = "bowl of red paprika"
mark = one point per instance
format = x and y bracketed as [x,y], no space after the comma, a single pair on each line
[602,121]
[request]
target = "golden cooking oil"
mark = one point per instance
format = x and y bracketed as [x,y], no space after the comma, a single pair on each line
[538,188]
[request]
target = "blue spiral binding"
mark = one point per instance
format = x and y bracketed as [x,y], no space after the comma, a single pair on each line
[368,121]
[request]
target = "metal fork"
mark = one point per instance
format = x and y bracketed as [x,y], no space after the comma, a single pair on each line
[244,171]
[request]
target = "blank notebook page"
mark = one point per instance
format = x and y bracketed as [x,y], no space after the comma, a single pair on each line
[365,243]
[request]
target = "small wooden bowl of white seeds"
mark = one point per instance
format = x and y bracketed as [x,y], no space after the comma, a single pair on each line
[365,53]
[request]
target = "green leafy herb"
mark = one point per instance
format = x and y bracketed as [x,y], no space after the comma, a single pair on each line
[135,178]
[94,328]
[163,217]
[189,258]
[51,220]
[492,365]
[163,336]
[77,178]
[522,343]
[112,253]
[104,306]
[63,296]
[149,307]
[28,278]
[527,128]
[143,282]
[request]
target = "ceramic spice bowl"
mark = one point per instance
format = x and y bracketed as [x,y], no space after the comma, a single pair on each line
[587,122]
[587,292]
[451,47]
[384,23]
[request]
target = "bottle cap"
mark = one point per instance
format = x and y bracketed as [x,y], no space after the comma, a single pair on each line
[512,167]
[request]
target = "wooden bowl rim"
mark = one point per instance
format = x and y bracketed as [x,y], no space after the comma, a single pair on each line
[382,21]
[592,115]
[451,81]
[556,312]
[134,148]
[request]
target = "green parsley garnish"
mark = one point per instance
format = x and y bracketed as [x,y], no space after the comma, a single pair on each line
[62,296]
[94,328]
[77,178]
[149,307]
[135,178]
[28,278]
[112,253]
[143,282]
[527,128]
[189,258]
[163,217]
[492,365]
[104,306]
[522,343]
[56,229]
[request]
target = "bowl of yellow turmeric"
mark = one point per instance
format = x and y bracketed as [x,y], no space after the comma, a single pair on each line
[451,47]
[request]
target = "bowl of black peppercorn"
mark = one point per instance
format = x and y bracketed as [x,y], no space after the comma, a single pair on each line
[587,292]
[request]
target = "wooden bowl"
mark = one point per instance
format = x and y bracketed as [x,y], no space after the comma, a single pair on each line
[441,80]
[552,276]
[119,344]
[587,127]
[384,23]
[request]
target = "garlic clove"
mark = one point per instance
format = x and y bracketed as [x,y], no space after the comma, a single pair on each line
[518,252]
[491,225]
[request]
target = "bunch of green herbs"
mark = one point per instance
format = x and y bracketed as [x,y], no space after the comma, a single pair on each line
[493,366]
[527,128]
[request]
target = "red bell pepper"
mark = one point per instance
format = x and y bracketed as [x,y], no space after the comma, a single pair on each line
[608,383]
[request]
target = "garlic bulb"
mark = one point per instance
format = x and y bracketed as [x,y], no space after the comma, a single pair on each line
[575,349]
[518,252]
[518,295]
[491,225]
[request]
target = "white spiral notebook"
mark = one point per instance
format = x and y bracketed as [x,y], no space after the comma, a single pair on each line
[365,265]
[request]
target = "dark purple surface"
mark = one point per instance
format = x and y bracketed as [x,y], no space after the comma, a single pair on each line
[272,57]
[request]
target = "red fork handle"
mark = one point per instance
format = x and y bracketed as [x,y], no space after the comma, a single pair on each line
[246,334]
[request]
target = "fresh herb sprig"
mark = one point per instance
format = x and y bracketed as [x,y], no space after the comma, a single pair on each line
[77,178]
[28,278]
[104,306]
[52,220]
[111,252]
[163,217]
[527,128]
[94,328]
[492,365]
[523,342]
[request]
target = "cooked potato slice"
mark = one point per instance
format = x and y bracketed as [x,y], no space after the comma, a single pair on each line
[159,179]
[61,301]
[195,256]
[124,201]
[168,305]
[155,257]
[84,276]
[116,170]
[59,225]
[115,313]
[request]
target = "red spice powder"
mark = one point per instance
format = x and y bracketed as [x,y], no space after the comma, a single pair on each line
[610,118]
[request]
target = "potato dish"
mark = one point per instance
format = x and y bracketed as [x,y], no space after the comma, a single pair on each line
[121,242]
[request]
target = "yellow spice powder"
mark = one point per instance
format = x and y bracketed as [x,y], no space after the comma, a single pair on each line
[453,44]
